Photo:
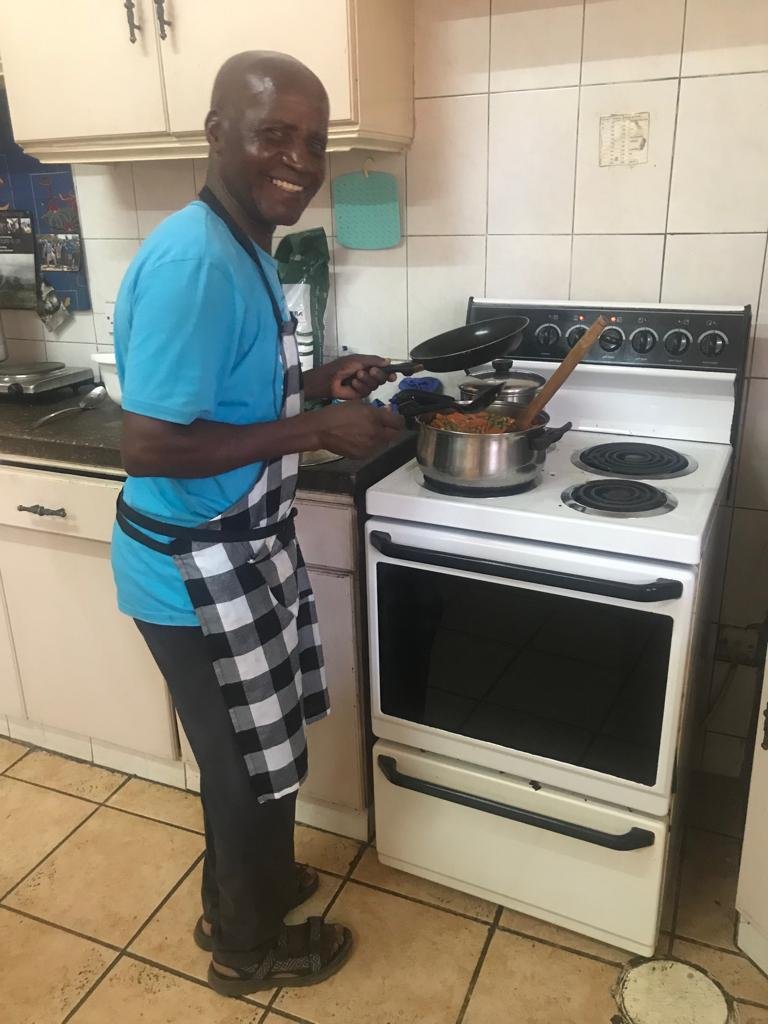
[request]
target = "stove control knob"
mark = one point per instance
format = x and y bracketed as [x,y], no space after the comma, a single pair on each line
[643,339]
[676,342]
[548,335]
[611,339]
[712,343]
[575,333]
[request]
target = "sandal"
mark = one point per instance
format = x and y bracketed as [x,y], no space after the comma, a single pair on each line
[285,967]
[309,883]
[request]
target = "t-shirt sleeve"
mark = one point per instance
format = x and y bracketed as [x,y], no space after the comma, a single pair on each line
[180,342]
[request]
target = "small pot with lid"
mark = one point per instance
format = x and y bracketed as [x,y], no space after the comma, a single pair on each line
[518,386]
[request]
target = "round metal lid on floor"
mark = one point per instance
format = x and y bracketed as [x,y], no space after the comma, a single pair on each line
[670,992]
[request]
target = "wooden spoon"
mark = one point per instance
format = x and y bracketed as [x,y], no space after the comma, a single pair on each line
[561,374]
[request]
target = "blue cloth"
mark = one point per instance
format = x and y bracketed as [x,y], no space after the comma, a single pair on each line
[195,338]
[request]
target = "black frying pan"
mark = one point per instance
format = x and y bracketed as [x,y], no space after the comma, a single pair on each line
[464,347]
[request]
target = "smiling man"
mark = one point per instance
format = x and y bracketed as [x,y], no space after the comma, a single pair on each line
[204,551]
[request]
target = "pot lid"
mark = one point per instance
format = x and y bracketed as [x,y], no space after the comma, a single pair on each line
[517,383]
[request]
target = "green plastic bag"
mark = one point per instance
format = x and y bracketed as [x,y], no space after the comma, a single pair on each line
[302,264]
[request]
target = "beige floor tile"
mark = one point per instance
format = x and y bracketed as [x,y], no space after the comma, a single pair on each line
[109,877]
[752,1014]
[33,994]
[370,869]
[164,803]
[412,964]
[537,929]
[32,822]
[134,993]
[73,777]
[325,851]
[543,984]
[10,752]
[167,939]
[736,974]
[708,883]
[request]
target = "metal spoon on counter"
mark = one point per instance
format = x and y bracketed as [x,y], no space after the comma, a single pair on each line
[91,400]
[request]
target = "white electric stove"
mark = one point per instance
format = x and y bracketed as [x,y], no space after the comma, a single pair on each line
[536,658]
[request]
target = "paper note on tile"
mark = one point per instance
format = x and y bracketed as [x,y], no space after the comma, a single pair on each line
[624,139]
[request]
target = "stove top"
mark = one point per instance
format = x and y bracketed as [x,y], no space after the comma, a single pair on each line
[34,378]
[634,459]
[682,511]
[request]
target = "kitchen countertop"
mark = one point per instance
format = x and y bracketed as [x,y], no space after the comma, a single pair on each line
[92,439]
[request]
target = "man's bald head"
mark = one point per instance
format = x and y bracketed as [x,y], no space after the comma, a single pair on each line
[267,130]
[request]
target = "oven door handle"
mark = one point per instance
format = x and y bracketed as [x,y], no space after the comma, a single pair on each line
[634,839]
[655,590]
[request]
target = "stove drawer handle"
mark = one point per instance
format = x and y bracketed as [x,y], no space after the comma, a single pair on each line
[634,839]
[41,510]
[646,593]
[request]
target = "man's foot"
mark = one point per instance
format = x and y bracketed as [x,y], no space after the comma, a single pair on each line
[303,954]
[307,884]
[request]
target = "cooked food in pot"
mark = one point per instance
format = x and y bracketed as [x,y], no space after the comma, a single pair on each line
[473,423]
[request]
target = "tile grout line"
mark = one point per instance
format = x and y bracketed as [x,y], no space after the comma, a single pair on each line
[61,928]
[419,902]
[576,147]
[488,150]
[492,929]
[672,154]
[174,888]
[568,949]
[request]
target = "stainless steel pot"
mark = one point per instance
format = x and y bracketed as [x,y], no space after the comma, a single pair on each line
[518,386]
[484,462]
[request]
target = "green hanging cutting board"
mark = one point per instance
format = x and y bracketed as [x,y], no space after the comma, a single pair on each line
[366,210]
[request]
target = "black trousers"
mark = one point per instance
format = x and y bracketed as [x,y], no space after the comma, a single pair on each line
[249,878]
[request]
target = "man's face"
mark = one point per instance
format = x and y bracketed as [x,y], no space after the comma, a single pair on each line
[271,151]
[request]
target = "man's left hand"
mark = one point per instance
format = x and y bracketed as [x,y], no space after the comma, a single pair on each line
[362,374]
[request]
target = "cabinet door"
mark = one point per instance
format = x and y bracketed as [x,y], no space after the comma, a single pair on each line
[83,665]
[10,692]
[71,70]
[336,772]
[204,34]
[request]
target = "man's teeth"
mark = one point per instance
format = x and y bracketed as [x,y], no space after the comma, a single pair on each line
[287,186]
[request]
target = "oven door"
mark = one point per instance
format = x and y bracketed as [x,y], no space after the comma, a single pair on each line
[552,664]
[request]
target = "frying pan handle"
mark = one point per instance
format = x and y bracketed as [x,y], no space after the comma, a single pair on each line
[548,437]
[406,368]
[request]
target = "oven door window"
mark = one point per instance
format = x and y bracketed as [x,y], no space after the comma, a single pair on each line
[567,678]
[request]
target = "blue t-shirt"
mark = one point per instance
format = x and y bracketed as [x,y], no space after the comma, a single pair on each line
[195,338]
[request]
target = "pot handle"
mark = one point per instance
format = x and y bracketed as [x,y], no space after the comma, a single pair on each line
[548,436]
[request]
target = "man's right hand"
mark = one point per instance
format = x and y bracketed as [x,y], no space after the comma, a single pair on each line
[354,429]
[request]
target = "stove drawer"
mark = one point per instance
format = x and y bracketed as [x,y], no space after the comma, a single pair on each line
[58,503]
[583,865]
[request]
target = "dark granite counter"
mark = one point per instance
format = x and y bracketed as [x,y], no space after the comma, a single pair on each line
[92,439]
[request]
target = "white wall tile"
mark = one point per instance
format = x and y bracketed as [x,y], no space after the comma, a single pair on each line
[745,600]
[721,155]
[760,346]
[618,268]
[316,215]
[78,329]
[447,167]
[105,200]
[371,301]
[532,149]
[108,260]
[442,273]
[723,755]
[528,266]
[723,36]
[620,198]
[451,51]
[162,187]
[713,269]
[752,484]
[5,729]
[21,351]
[736,703]
[356,160]
[69,743]
[22,323]
[535,44]
[104,335]
[71,353]
[625,40]
[169,773]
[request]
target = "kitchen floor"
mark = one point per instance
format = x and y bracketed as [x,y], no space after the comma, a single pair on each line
[99,876]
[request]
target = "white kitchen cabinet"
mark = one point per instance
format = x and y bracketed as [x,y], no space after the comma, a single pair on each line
[10,689]
[83,666]
[148,99]
[752,896]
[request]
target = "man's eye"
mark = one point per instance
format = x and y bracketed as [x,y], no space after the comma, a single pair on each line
[275,133]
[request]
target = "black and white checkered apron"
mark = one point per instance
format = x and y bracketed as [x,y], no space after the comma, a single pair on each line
[250,589]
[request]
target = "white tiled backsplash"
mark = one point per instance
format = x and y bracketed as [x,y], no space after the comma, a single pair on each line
[503,194]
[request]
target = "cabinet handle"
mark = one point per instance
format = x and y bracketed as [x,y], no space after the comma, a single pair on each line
[41,510]
[133,28]
[160,11]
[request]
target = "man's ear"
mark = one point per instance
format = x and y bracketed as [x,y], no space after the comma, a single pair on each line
[213,129]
